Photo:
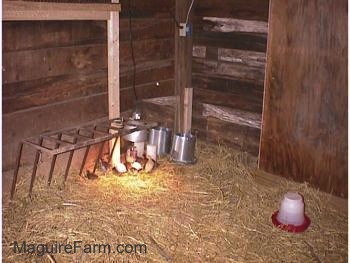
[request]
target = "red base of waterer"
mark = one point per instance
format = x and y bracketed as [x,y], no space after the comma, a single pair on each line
[291,228]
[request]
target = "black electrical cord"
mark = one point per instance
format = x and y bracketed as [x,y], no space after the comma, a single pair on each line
[132,51]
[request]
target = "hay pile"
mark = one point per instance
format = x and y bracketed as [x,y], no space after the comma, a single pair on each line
[213,211]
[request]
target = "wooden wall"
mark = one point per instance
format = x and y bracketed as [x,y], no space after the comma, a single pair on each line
[305,129]
[229,52]
[55,73]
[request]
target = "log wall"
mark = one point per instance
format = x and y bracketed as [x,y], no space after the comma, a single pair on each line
[305,128]
[55,72]
[229,52]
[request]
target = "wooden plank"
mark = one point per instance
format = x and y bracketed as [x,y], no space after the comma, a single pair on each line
[54,91]
[234,40]
[113,80]
[18,66]
[212,53]
[146,51]
[27,94]
[30,35]
[159,112]
[183,63]
[244,57]
[85,59]
[142,8]
[90,107]
[147,28]
[158,71]
[229,70]
[148,90]
[39,120]
[199,51]
[219,24]
[304,133]
[113,65]
[240,9]
[243,118]
[227,100]
[162,101]
[242,138]
[188,97]
[229,85]
[26,10]
[162,109]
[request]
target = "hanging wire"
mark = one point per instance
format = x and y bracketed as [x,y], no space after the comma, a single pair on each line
[174,17]
[189,11]
[132,51]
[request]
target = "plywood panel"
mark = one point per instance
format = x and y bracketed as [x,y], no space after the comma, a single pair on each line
[305,128]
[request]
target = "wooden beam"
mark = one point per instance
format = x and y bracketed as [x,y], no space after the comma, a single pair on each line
[188,97]
[27,11]
[183,65]
[240,117]
[113,76]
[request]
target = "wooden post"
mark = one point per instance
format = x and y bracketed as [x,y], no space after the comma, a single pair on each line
[183,66]
[113,76]
[34,11]
[188,95]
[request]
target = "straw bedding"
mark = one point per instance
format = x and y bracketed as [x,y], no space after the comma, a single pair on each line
[213,211]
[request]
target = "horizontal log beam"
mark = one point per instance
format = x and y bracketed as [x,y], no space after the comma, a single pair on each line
[28,11]
[243,118]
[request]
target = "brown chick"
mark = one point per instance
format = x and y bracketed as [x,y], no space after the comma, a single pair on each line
[149,164]
[129,157]
[90,175]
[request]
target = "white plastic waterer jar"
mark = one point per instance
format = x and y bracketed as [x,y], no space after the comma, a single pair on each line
[291,209]
[152,151]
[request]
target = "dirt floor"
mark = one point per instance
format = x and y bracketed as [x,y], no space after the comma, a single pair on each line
[214,211]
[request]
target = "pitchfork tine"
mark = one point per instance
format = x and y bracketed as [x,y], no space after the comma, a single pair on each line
[35,167]
[15,174]
[86,155]
[53,162]
[71,153]
[98,156]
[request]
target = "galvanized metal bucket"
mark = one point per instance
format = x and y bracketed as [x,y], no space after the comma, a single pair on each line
[137,136]
[183,148]
[160,136]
